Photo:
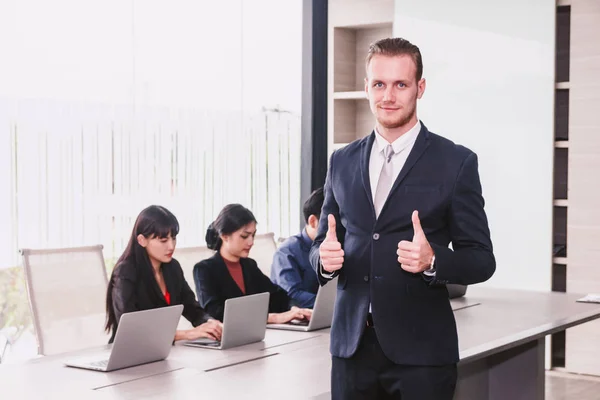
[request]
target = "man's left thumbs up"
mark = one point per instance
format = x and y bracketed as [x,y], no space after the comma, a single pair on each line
[415,256]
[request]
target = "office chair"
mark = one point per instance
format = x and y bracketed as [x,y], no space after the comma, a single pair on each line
[67,292]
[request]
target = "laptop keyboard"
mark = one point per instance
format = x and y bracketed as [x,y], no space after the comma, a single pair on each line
[299,322]
[99,364]
[207,342]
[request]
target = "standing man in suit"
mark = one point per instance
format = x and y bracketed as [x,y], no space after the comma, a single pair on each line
[394,201]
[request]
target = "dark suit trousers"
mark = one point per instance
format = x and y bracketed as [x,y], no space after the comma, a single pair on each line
[370,375]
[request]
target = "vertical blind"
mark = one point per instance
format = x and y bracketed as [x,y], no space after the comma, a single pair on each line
[81,157]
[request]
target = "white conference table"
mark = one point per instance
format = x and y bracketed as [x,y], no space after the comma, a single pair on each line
[501,339]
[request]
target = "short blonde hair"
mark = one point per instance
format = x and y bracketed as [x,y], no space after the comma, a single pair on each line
[396,47]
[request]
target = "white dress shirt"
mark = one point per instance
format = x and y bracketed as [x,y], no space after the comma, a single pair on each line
[402,148]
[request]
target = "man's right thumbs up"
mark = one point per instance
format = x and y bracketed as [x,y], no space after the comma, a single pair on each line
[331,233]
[330,251]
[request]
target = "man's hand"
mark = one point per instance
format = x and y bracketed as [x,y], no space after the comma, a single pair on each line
[285,317]
[415,256]
[330,251]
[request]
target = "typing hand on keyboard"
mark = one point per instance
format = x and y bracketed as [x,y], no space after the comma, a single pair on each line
[302,314]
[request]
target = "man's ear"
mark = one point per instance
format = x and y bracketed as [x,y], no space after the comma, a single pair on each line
[421,85]
[313,221]
[142,241]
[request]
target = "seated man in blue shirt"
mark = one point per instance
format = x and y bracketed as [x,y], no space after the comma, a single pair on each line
[291,268]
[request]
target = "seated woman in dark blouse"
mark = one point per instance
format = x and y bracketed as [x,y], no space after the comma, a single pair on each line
[230,273]
[147,276]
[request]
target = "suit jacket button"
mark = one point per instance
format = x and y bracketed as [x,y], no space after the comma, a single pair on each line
[376,236]
[366,278]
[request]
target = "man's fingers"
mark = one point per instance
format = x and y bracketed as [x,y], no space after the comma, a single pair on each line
[332,268]
[407,261]
[330,246]
[332,254]
[409,268]
[333,261]
[409,246]
[413,255]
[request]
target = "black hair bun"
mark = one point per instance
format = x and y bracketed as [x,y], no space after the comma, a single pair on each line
[212,238]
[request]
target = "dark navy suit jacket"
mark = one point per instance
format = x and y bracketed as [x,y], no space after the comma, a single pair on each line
[412,315]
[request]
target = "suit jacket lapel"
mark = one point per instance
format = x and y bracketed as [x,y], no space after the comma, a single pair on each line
[226,277]
[417,151]
[148,275]
[365,155]
[167,270]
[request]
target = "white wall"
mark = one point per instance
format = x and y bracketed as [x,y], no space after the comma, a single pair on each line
[489,67]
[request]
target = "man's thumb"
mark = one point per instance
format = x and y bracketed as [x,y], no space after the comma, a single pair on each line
[417,225]
[331,233]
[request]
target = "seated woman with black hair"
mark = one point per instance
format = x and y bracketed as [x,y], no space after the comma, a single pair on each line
[147,276]
[230,273]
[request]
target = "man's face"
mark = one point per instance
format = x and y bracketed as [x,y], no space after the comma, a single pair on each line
[393,90]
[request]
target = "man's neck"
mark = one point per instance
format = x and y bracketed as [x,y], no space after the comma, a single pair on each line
[391,135]
[311,233]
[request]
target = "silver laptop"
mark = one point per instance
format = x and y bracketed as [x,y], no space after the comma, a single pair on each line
[322,311]
[244,322]
[455,291]
[142,337]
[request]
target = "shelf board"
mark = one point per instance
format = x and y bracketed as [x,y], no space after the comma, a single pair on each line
[559,260]
[561,144]
[561,202]
[563,85]
[358,95]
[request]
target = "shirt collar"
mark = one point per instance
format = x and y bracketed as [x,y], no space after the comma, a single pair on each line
[401,143]
[305,238]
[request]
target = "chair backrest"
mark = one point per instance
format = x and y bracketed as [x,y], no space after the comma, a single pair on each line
[280,241]
[263,250]
[190,256]
[67,292]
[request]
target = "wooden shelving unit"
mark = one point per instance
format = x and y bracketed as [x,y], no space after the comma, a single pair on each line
[561,165]
[353,26]
[582,353]
[561,144]
[358,95]
[561,202]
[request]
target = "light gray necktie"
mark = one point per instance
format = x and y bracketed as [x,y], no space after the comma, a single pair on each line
[385,182]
